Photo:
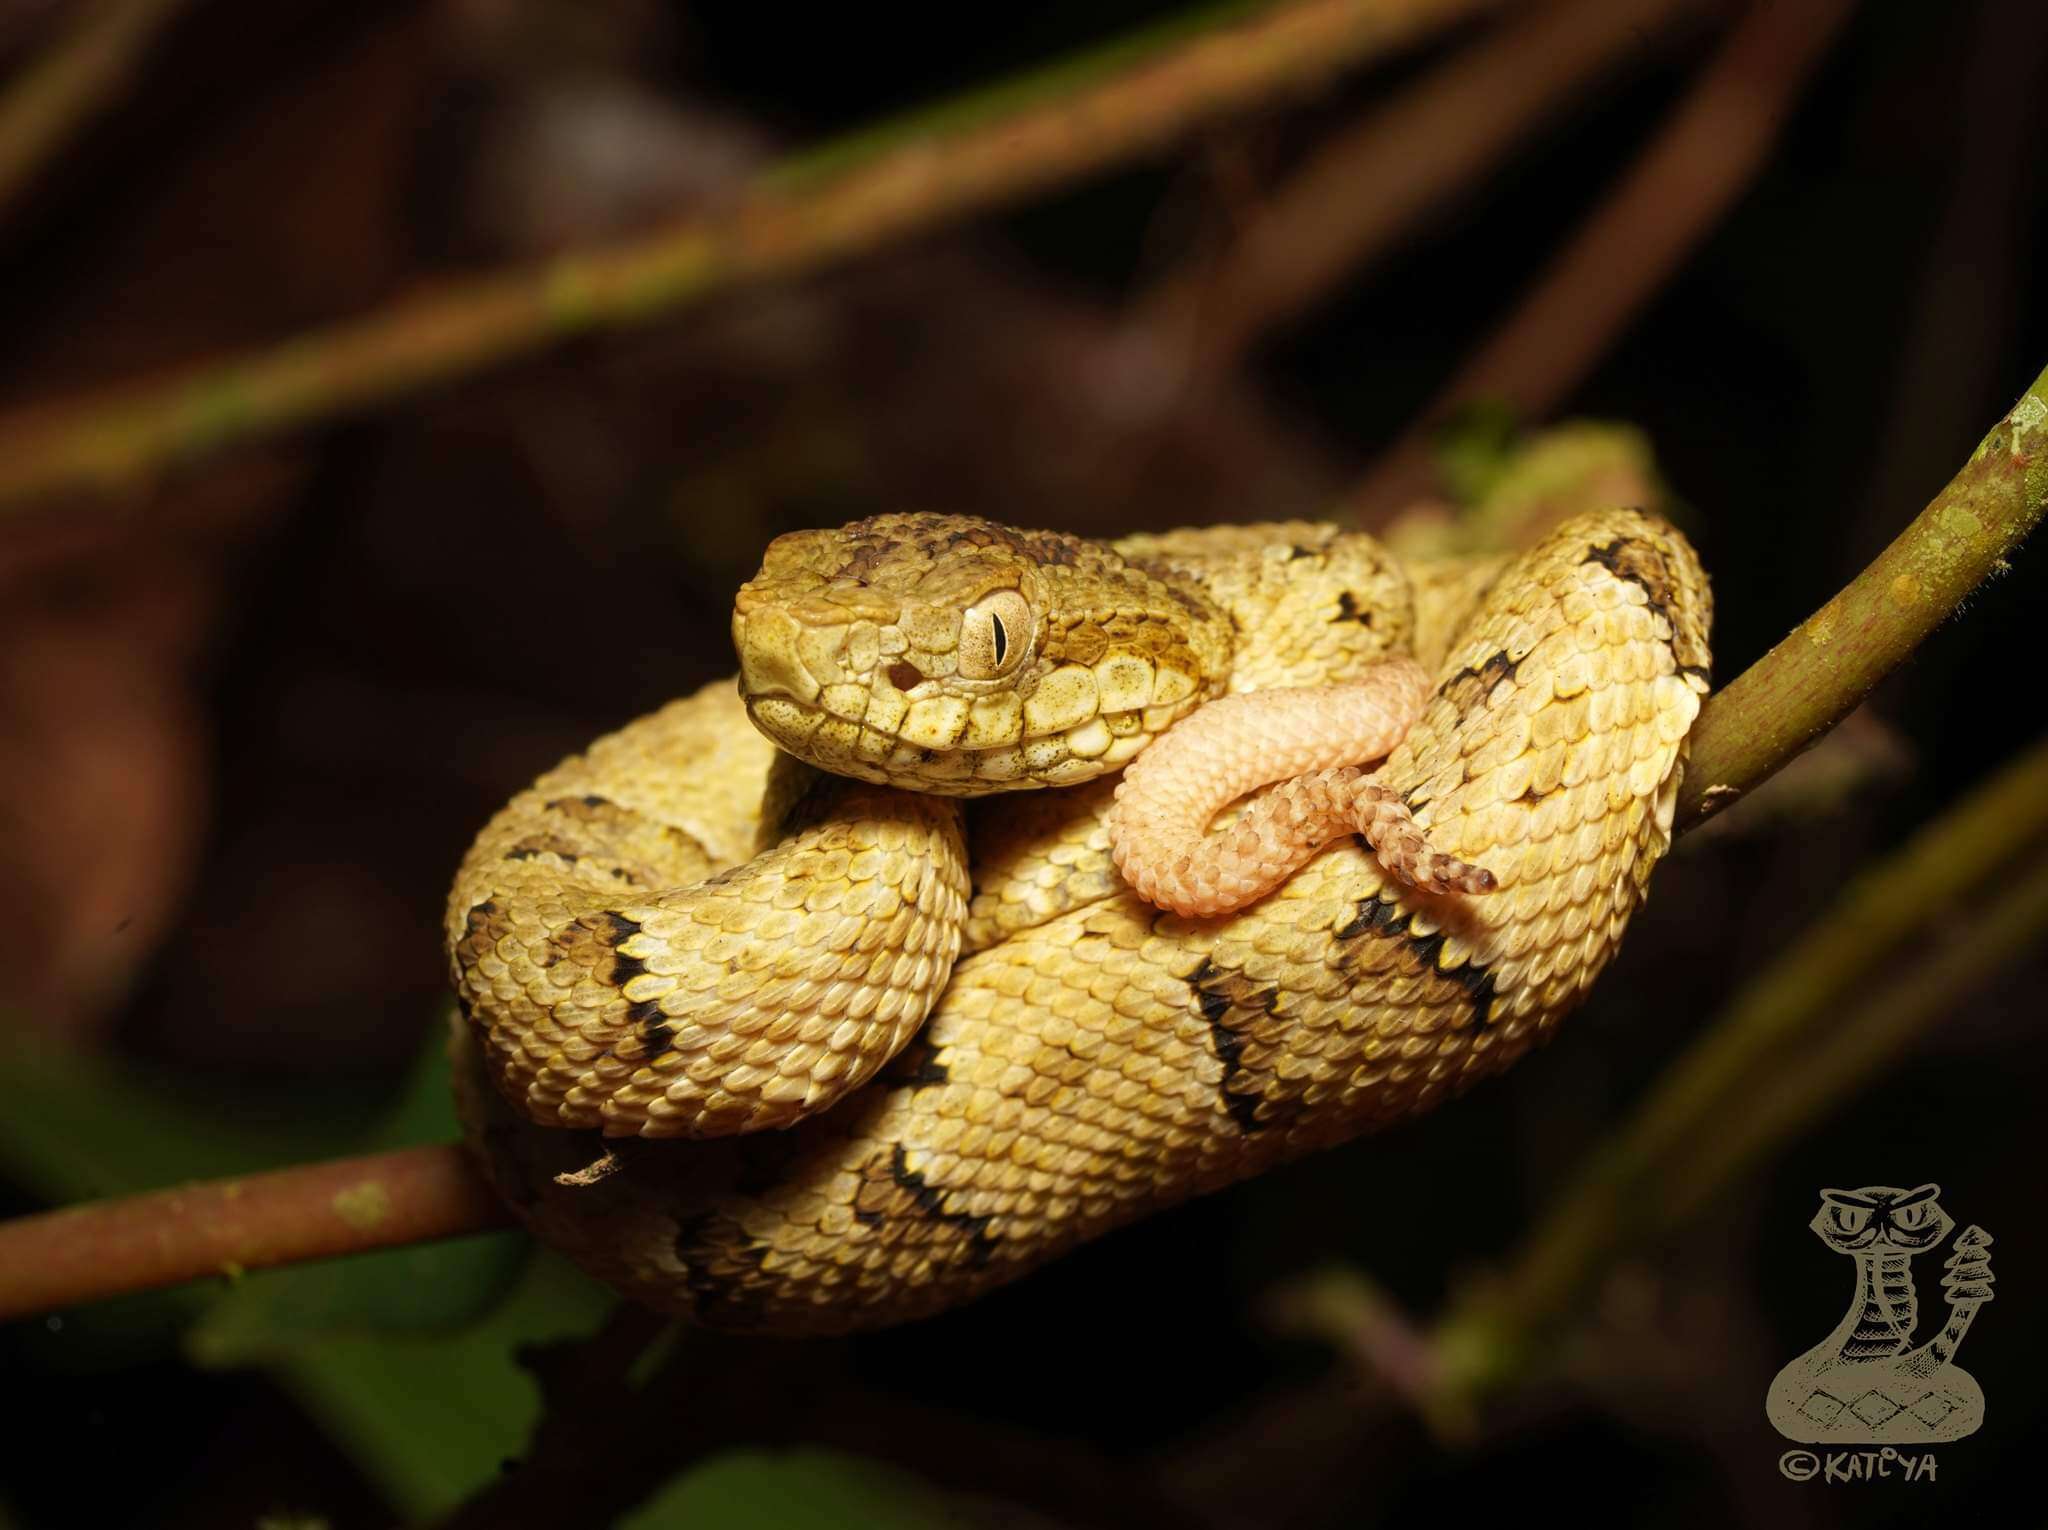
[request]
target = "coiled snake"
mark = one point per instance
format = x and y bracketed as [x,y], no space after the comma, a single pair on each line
[685,933]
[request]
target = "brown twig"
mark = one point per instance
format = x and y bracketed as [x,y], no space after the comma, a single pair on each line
[845,198]
[1358,194]
[347,1206]
[1693,169]
[55,95]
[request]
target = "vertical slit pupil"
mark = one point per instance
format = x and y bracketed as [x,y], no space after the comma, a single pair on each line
[1002,637]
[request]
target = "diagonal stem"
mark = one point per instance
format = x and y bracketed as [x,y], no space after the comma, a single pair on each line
[1675,192]
[1817,675]
[993,146]
[1788,1046]
[56,94]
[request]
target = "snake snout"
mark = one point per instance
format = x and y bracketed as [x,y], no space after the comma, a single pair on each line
[766,640]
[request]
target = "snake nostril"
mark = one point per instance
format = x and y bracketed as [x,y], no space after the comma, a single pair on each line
[903,674]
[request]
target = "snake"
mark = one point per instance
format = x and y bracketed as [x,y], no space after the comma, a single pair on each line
[819,1002]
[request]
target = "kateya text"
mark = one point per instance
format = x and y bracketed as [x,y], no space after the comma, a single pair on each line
[1858,1465]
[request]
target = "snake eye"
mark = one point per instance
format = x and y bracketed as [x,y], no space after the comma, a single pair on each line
[994,635]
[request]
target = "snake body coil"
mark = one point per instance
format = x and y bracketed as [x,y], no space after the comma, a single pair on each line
[683,933]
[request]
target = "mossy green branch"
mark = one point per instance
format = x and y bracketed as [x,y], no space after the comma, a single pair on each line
[1818,674]
[825,205]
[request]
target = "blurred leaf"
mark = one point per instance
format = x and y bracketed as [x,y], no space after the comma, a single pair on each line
[1474,449]
[76,1129]
[794,1490]
[434,1288]
[428,1288]
[428,1419]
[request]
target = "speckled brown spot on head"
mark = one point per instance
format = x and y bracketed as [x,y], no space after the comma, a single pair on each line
[535,845]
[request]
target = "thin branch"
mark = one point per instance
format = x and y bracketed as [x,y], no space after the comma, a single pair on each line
[1360,193]
[1747,731]
[140,1243]
[54,96]
[845,198]
[1816,676]
[1789,1046]
[1676,191]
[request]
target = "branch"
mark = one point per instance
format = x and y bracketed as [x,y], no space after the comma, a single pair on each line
[1361,192]
[55,95]
[1816,676]
[346,1206]
[1796,692]
[1678,188]
[848,197]
[1788,1046]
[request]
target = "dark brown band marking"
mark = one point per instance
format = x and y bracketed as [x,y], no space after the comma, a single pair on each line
[1470,686]
[1377,915]
[1349,610]
[917,1066]
[1218,992]
[721,1267]
[893,1192]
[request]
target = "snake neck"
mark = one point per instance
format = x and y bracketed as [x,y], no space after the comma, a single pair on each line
[1886,1310]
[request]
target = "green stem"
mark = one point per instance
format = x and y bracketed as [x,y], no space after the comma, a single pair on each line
[1747,1085]
[831,203]
[1814,678]
[55,95]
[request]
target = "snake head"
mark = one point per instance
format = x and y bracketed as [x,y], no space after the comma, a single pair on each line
[949,654]
[1881,1216]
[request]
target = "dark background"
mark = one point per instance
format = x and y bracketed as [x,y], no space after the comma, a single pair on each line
[252,718]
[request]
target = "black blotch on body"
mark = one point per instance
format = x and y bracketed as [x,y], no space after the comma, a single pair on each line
[1218,992]
[1643,566]
[720,1263]
[656,1032]
[917,1066]
[619,929]
[918,1195]
[1349,610]
[1378,915]
[1475,682]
